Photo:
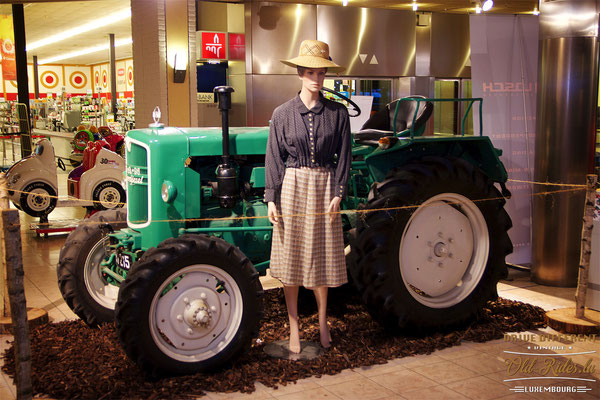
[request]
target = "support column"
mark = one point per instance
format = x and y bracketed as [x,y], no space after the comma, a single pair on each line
[21,55]
[565,134]
[36,78]
[161,29]
[113,75]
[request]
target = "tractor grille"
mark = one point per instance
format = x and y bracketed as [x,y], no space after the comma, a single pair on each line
[136,176]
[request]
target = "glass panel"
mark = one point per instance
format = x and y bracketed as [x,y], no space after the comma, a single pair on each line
[381,90]
[467,92]
[445,114]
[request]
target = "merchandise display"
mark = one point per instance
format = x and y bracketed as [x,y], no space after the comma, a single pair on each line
[193,300]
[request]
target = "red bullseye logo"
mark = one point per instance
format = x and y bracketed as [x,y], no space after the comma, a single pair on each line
[130,75]
[104,79]
[97,78]
[49,79]
[78,80]
[7,46]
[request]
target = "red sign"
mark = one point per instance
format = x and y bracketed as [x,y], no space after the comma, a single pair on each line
[213,45]
[237,46]
[121,72]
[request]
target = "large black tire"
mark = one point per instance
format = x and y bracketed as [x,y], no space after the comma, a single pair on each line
[405,269]
[38,199]
[151,318]
[80,279]
[108,195]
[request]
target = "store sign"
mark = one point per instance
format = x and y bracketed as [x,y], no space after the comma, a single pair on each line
[237,46]
[121,72]
[205,98]
[7,48]
[213,45]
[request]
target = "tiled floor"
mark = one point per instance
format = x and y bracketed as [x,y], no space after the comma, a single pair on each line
[470,371]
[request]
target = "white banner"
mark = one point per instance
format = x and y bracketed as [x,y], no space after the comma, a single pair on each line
[504,67]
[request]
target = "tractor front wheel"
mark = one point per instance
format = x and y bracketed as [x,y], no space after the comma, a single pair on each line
[84,287]
[430,253]
[189,305]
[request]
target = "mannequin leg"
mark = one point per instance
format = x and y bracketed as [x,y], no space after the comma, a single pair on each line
[291,301]
[321,296]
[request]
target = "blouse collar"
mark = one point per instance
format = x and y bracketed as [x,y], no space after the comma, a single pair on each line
[303,109]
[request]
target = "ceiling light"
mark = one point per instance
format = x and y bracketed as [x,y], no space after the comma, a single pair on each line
[536,11]
[344,3]
[415,6]
[87,50]
[69,33]
[487,5]
[478,9]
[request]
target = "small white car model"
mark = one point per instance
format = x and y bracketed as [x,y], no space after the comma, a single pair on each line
[33,186]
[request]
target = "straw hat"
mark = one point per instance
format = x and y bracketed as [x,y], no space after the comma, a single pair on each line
[314,54]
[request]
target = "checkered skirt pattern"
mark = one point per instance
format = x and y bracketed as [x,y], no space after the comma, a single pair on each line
[308,250]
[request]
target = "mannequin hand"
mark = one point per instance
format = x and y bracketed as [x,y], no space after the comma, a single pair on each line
[272,213]
[334,208]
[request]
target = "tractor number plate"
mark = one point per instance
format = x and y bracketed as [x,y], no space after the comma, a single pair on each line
[123,261]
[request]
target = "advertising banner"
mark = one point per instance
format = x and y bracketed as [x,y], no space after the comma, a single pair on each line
[504,66]
[7,48]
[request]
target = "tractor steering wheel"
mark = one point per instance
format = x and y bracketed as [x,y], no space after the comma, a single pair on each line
[341,96]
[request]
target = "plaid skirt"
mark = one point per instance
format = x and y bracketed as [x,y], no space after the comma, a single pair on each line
[307,249]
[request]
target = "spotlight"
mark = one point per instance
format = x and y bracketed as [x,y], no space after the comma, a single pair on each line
[344,3]
[536,11]
[478,9]
[487,5]
[415,6]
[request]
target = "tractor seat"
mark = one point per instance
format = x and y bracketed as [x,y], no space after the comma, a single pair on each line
[380,124]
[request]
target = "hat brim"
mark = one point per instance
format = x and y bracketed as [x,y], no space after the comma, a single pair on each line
[313,62]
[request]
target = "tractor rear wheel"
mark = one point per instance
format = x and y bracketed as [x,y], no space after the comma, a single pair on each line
[81,282]
[430,254]
[189,305]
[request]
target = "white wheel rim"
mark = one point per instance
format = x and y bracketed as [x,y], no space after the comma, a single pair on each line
[101,291]
[170,326]
[444,250]
[38,199]
[109,197]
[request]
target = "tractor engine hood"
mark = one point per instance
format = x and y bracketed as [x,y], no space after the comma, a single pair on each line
[204,141]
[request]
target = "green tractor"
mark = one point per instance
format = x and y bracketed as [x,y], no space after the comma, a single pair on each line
[424,223]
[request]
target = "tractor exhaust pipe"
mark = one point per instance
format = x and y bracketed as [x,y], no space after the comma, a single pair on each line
[226,174]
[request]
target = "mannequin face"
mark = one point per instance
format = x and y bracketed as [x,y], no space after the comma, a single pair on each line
[312,79]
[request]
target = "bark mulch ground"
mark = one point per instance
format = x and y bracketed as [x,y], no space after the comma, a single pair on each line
[71,360]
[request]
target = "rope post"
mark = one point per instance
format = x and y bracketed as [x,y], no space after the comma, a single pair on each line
[4,205]
[586,245]
[16,306]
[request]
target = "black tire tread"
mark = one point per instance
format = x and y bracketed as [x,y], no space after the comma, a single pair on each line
[69,271]
[407,186]
[147,270]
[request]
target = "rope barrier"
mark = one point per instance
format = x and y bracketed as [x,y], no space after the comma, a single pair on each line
[548,183]
[361,212]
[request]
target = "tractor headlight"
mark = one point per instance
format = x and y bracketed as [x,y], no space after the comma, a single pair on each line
[168,192]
